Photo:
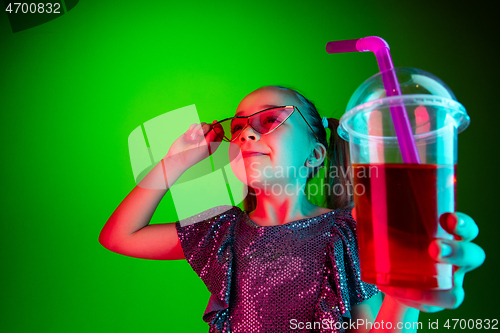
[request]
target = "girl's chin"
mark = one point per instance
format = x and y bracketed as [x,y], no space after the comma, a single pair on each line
[252,182]
[246,171]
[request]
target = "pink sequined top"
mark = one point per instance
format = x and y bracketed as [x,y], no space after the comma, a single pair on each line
[301,276]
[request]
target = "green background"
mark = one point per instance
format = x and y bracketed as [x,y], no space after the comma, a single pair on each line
[74,88]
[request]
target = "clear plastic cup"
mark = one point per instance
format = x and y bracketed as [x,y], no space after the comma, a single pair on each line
[398,204]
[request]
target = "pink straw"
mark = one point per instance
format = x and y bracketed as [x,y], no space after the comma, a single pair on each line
[398,113]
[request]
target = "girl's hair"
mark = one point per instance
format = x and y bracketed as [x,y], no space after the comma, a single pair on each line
[338,182]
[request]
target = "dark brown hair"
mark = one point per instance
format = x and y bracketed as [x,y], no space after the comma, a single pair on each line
[338,168]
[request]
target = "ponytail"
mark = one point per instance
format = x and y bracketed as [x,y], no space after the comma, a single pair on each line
[338,170]
[250,202]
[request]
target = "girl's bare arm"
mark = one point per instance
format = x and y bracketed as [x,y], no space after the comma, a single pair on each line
[375,315]
[128,231]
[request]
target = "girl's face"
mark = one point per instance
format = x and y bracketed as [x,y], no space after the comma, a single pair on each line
[278,157]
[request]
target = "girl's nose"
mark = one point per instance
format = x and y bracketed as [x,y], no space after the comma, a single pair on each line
[248,133]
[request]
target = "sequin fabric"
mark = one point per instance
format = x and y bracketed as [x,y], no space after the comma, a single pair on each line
[271,278]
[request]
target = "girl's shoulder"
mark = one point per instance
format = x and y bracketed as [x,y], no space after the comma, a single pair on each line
[338,214]
[342,223]
[210,229]
[213,215]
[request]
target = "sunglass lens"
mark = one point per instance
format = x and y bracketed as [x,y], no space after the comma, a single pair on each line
[229,128]
[267,121]
[262,122]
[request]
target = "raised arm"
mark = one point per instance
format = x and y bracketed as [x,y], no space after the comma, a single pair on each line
[127,231]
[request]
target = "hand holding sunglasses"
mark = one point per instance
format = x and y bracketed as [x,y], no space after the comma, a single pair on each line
[196,144]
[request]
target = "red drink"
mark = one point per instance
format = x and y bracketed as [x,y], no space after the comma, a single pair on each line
[397,210]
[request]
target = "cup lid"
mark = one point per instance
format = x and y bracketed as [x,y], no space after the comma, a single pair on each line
[417,86]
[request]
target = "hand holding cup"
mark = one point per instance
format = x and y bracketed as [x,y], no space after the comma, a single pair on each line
[464,255]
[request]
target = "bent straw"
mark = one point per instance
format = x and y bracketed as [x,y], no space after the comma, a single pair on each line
[398,113]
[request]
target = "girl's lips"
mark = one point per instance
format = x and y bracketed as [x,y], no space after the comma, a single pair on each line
[251,153]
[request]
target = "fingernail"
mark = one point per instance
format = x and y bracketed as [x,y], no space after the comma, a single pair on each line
[461,222]
[450,220]
[446,250]
[193,136]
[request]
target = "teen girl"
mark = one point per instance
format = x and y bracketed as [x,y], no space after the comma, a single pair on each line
[283,264]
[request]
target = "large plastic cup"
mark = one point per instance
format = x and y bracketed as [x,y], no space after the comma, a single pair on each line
[398,204]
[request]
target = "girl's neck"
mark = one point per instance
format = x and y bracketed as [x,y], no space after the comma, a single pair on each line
[278,210]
